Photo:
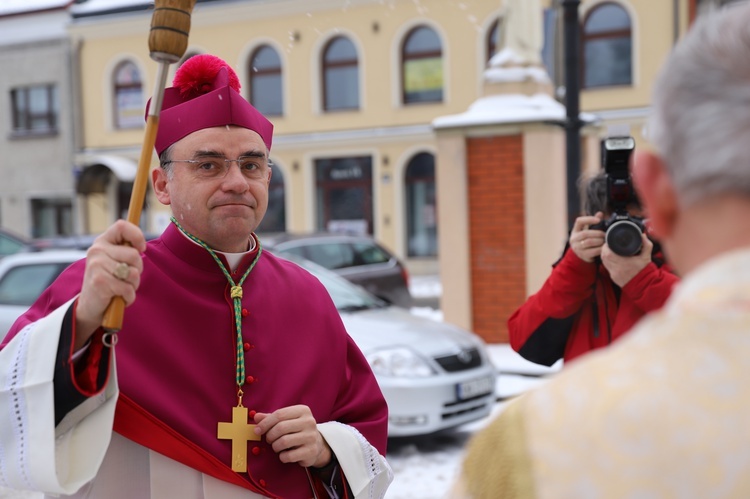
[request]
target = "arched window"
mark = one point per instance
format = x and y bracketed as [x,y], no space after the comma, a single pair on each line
[421,206]
[128,93]
[264,75]
[492,44]
[607,47]
[275,218]
[422,66]
[340,75]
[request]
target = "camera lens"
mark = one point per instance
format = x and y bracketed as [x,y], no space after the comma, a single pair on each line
[624,238]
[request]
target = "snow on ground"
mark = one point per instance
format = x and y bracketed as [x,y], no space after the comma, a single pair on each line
[425,286]
[426,467]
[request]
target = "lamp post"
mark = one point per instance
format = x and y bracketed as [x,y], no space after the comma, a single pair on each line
[571,41]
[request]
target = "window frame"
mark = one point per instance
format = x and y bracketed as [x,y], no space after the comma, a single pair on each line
[410,182]
[353,172]
[118,87]
[276,195]
[427,54]
[607,35]
[326,65]
[52,213]
[253,74]
[20,116]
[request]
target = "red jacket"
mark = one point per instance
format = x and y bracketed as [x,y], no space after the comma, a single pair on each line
[564,319]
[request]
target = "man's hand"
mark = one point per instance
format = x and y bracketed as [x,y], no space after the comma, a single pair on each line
[623,268]
[100,284]
[587,243]
[294,436]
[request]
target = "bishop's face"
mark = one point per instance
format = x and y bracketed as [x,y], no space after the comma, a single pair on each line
[219,202]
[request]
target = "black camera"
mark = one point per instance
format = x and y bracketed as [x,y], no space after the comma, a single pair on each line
[622,231]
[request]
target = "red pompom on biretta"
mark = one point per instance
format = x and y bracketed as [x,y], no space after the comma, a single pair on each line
[197,76]
[205,94]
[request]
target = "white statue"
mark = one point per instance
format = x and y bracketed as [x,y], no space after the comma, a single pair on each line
[522,29]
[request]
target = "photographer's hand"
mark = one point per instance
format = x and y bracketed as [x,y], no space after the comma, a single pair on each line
[587,243]
[623,268]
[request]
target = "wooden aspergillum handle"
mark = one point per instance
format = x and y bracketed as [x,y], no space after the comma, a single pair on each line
[168,39]
[114,314]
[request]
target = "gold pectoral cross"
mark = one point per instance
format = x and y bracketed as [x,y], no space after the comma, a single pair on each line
[239,431]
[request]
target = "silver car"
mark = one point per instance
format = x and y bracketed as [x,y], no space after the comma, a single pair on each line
[433,375]
[23,277]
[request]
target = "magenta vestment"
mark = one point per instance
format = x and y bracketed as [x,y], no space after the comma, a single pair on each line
[176,351]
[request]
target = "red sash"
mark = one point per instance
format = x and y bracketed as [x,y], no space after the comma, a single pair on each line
[135,423]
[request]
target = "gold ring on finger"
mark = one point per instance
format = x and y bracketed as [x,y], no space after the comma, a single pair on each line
[122,271]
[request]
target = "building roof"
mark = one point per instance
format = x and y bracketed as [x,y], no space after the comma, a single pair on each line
[92,8]
[31,21]
[89,8]
[16,7]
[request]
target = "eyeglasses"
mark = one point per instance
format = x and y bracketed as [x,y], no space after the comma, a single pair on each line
[251,167]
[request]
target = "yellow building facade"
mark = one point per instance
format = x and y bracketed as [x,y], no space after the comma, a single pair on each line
[380,127]
[355,88]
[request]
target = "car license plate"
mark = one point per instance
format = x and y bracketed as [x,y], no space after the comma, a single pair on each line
[475,387]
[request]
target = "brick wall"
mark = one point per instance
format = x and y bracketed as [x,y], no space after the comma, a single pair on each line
[496,232]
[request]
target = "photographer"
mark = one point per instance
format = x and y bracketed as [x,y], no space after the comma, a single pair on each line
[594,295]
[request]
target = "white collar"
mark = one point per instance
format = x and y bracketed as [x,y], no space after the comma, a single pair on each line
[233,259]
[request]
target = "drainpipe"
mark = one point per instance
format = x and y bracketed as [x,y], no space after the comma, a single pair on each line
[80,206]
[571,32]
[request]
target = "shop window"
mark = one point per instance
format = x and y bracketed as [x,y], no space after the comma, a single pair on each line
[275,218]
[421,206]
[344,194]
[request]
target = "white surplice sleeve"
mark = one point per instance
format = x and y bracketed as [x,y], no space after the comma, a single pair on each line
[34,454]
[366,471]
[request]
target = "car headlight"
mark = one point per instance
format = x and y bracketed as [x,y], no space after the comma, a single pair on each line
[399,363]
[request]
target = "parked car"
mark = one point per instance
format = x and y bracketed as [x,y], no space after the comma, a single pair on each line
[359,259]
[63,242]
[23,277]
[11,243]
[434,375]
[81,241]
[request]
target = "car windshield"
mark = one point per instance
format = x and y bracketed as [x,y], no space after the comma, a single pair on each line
[10,244]
[23,284]
[346,296]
